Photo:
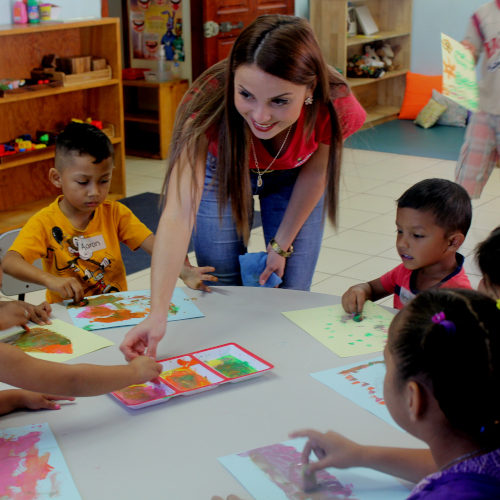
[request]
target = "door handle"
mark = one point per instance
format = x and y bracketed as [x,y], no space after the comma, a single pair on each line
[225,27]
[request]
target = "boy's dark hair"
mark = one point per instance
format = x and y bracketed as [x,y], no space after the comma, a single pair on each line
[80,139]
[446,200]
[488,257]
[459,364]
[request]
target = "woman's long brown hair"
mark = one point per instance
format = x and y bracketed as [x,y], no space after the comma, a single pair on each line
[285,47]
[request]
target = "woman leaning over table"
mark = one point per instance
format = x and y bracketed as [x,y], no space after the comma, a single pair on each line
[268,121]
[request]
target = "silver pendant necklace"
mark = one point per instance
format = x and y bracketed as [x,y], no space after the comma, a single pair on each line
[259,173]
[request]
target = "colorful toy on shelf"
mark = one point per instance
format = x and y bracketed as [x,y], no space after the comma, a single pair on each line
[11,83]
[96,123]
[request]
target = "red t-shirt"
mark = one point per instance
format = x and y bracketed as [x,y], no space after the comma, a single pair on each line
[351,117]
[401,282]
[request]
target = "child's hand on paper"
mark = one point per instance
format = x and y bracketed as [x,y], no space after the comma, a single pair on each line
[38,314]
[194,277]
[67,288]
[331,449]
[354,299]
[35,401]
[145,368]
[12,314]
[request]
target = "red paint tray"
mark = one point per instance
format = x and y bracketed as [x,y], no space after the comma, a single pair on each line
[195,372]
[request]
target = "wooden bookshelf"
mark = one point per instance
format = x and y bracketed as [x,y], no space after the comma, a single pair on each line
[381,97]
[24,184]
[148,132]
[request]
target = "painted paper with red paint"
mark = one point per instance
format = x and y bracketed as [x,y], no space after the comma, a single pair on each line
[32,465]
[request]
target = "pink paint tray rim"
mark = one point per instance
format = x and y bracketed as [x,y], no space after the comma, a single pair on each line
[198,362]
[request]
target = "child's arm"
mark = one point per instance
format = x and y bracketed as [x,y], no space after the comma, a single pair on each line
[14,399]
[334,450]
[14,264]
[192,276]
[354,299]
[38,314]
[195,276]
[20,370]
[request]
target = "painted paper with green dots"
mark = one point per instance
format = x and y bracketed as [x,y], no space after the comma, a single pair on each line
[336,329]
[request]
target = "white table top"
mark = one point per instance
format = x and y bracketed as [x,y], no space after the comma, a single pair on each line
[170,450]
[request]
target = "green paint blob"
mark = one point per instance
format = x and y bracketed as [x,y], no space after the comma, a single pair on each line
[231,367]
[368,334]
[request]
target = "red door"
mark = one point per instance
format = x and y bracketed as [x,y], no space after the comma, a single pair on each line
[215,24]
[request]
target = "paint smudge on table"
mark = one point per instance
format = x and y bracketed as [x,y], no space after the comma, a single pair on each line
[141,393]
[184,379]
[231,367]
[358,370]
[22,467]
[41,340]
[282,465]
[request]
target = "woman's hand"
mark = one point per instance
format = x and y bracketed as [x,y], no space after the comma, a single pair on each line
[332,450]
[143,339]
[275,264]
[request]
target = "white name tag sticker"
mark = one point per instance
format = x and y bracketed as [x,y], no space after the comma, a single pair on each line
[405,295]
[92,244]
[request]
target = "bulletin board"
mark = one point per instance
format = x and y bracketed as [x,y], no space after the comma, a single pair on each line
[151,24]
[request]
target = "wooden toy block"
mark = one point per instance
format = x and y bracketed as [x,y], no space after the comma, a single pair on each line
[98,64]
[74,65]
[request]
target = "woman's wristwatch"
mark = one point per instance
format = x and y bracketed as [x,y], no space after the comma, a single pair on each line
[279,250]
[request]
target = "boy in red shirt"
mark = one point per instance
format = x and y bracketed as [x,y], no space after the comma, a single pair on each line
[432,220]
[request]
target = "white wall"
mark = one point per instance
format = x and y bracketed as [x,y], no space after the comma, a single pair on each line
[70,9]
[430,18]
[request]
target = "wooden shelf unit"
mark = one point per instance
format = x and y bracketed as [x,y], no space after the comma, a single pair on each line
[164,97]
[24,184]
[381,97]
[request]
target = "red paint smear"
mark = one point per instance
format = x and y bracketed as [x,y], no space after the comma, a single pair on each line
[103,314]
[37,467]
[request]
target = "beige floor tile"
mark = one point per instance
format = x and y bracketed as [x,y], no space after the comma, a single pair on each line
[362,157]
[491,205]
[360,241]
[370,269]
[484,219]
[335,285]
[383,224]
[331,230]
[349,218]
[474,236]
[142,283]
[470,265]
[386,173]
[484,201]
[355,182]
[376,204]
[319,277]
[391,190]
[333,261]
[392,253]
[256,243]
[410,162]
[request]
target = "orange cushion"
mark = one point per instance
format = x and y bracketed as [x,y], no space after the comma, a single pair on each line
[417,94]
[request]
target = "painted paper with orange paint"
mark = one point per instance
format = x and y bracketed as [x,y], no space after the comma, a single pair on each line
[57,342]
[127,309]
[362,383]
[33,466]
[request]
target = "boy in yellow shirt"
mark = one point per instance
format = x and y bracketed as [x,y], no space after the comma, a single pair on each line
[78,236]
